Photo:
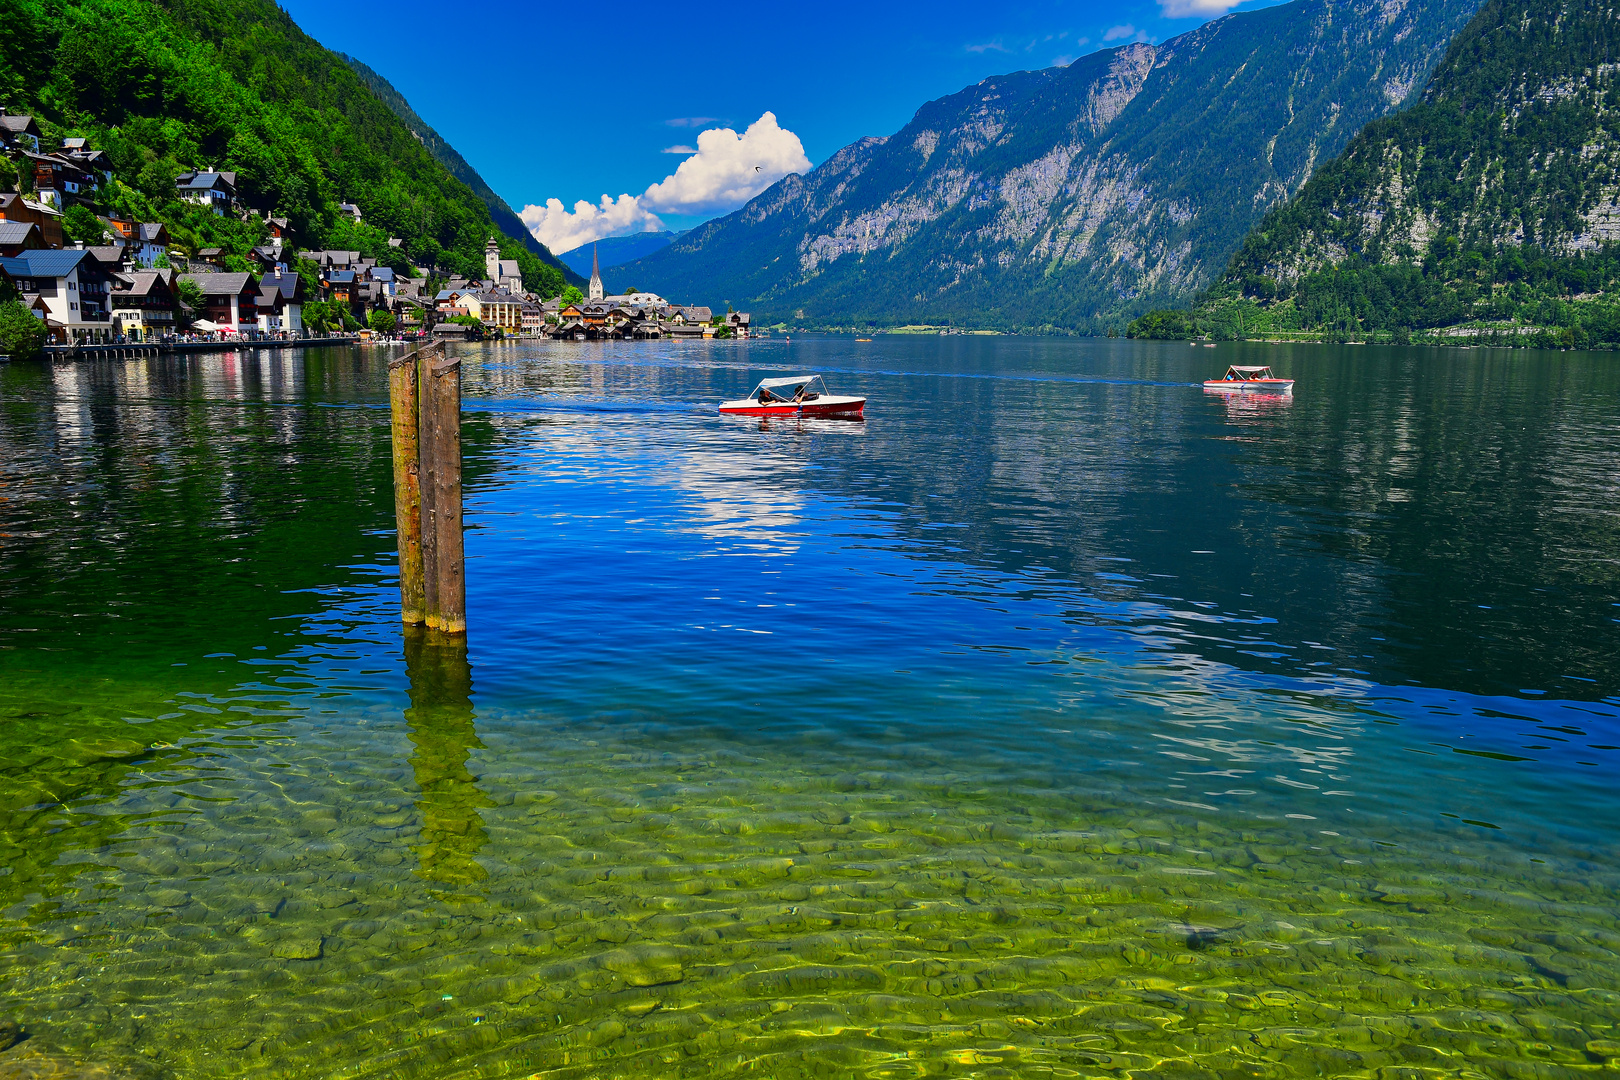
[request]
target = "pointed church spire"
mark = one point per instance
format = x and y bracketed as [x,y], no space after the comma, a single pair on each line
[596,276]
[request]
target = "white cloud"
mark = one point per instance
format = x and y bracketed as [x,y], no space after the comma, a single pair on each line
[729,169]
[691,121]
[563,230]
[1184,9]
[988,46]
[1114,33]
[722,173]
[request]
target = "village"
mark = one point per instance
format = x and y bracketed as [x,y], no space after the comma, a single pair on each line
[137,286]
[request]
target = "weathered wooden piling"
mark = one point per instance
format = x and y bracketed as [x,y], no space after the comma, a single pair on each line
[443,558]
[424,390]
[402,403]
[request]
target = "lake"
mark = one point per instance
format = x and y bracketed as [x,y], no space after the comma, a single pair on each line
[1058,719]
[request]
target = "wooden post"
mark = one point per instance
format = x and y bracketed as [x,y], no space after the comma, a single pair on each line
[443,556]
[402,404]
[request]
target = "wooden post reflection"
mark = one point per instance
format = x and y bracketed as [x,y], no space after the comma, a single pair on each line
[443,735]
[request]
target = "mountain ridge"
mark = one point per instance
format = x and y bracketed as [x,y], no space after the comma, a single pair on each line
[1068,198]
[617,250]
[1489,210]
[500,211]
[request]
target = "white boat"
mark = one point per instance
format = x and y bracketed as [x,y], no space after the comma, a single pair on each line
[1249,378]
[796,395]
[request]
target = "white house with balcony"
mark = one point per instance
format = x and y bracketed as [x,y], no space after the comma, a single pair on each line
[216,190]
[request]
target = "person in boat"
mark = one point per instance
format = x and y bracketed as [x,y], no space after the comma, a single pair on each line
[765,396]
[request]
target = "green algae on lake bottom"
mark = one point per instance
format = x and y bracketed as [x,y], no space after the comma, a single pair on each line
[299,902]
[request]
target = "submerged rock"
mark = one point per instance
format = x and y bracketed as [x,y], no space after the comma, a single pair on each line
[298,949]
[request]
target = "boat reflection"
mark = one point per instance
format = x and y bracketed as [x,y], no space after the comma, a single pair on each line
[802,425]
[1247,406]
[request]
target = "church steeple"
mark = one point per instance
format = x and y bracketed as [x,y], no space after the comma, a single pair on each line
[596,276]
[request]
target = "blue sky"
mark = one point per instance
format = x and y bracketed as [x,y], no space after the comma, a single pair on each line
[581,102]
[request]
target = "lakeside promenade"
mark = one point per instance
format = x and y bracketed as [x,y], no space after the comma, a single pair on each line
[132,350]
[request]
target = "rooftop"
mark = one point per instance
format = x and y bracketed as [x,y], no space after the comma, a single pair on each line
[37,264]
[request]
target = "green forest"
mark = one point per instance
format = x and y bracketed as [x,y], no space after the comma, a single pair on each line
[169,86]
[1513,141]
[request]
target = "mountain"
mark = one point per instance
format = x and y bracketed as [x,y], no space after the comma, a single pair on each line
[448,156]
[615,250]
[165,86]
[1493,202]
[1068,198]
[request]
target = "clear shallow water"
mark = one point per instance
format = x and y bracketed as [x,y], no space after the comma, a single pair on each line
[1057,720]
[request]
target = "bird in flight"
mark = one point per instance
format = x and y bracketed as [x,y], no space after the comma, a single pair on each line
[756,168]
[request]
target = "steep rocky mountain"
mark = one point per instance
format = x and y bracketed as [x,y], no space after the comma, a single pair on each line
[1068,198]
[1516,143]
[502,214]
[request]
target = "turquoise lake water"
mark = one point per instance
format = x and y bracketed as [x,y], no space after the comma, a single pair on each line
[1059,719]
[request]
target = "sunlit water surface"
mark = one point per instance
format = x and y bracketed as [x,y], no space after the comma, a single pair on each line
[1059,719]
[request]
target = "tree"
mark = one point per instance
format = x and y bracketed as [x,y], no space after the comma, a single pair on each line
[8,175]
[572,295]
[82,226]
[190,294]
[22,335]
[382,320]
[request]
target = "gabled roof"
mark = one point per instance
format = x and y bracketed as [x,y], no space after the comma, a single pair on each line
[382,273]
[221,284]
[340,277]
[41,264]
[74,143]
[141,282]
[508,268]
[108,253]
[151,232]
[289,283]
[19,125]
[16,232]
[205,181]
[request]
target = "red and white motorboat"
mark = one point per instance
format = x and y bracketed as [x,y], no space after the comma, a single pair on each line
[798,395]
[1250,378]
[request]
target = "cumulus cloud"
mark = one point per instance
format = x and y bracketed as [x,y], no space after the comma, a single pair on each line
[722,173]
[1184,9]
[729,169]
[561,229]
[1114,33]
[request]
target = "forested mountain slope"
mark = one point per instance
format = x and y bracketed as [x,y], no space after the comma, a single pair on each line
[1072,197]
[502,214]
[1495,201]
[173,85]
